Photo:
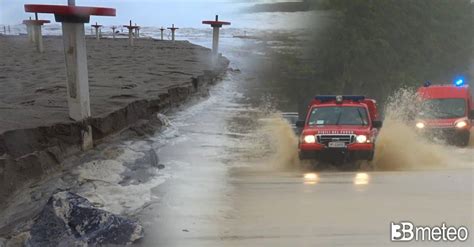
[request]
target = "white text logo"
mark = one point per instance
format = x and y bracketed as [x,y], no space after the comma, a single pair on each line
[406,231]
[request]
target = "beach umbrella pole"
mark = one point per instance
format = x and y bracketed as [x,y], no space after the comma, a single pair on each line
[74,41]
[216,26]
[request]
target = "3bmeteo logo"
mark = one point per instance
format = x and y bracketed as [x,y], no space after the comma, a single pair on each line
[406,231]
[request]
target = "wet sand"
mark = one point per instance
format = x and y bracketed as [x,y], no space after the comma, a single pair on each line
[127,85]
[34,89]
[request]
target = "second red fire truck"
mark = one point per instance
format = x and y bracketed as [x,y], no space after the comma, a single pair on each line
[446,112]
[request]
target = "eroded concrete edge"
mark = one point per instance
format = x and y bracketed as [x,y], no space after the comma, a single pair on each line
[28,155]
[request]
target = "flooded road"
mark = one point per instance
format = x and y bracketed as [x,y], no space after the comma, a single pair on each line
[234,180]
[224,172]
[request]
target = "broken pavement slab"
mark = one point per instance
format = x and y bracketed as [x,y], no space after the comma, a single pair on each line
[70,220]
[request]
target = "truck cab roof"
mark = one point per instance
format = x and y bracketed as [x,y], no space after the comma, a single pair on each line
[346,101]
[444,92]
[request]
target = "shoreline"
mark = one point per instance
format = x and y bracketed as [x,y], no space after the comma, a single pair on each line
[28,155]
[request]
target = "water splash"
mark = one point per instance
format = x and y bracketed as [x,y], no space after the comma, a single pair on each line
[400,147]
[274,144]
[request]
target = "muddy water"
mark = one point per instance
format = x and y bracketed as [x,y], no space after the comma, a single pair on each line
[224,172]
[235,179]
[400,147]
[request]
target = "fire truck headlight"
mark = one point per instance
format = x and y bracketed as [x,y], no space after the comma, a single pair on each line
[420,125]
[361,139]
[461,124]
[309,139]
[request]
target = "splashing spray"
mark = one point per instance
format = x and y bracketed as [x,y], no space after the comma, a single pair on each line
[400,147]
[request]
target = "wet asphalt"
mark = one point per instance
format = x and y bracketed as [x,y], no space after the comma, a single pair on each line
[224,191]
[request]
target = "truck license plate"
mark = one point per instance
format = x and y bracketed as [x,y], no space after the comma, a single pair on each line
[336,145]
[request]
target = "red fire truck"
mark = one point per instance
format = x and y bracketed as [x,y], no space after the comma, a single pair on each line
[340,130]
[446,112]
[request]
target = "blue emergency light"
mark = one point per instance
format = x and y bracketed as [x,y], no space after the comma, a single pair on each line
[459,82]
[324,98]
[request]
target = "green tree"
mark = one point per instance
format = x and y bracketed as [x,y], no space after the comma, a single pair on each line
[377,46]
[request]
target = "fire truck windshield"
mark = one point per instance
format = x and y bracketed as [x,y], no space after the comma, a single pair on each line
[338,115]
[443,108]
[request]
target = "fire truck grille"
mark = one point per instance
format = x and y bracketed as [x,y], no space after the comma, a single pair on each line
[325,139]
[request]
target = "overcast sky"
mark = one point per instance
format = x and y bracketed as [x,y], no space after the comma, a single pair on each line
[183,13]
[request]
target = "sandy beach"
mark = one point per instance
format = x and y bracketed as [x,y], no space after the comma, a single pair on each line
[34,88]
[127,84]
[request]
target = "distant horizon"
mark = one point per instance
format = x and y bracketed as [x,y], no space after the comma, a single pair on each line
[184,13]
[144,12]
[187,13]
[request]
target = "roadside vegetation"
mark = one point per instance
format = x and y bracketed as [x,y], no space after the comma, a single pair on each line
[375,47]
[379,46]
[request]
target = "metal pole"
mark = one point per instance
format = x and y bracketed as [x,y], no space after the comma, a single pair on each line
[130,34]
[28,31]
[38,38]
[215,44]
[172,33]
[77,74]
[33,33]
[77,77]
[96,31]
